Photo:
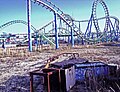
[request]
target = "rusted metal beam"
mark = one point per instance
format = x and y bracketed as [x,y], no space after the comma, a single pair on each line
[31,82]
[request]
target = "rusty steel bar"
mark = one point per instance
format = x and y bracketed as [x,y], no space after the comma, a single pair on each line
[31,82]
[48,79]
[59,80]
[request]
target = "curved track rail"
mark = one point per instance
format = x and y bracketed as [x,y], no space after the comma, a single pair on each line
[95,20]
[56,10]
[15,22]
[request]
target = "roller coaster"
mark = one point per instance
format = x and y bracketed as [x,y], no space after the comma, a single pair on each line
[63,25]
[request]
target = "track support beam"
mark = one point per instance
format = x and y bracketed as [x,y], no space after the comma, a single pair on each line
[29,24]
[72,36]
[56,31]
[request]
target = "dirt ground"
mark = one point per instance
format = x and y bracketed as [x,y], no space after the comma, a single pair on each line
[14,70]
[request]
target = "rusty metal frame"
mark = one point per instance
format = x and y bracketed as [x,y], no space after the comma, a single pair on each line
[41,73]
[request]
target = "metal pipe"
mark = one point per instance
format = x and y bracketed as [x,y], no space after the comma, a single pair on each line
[117,86]
[112,89]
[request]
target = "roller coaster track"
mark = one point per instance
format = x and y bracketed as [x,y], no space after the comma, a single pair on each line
[25,23]
[14,22]
[60,33]
[64,17]
[95,21]
[108,23]
[53,6]
[116,25]
[69,20]
[113,27]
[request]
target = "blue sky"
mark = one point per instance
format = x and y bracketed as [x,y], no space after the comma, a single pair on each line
[78,9]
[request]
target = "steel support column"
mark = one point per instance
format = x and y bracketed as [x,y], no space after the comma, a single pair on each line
[68,39]
[79,32]
[36,40]
[72,36]
[29,24]
[117,36]
[56,31]
[82,40]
